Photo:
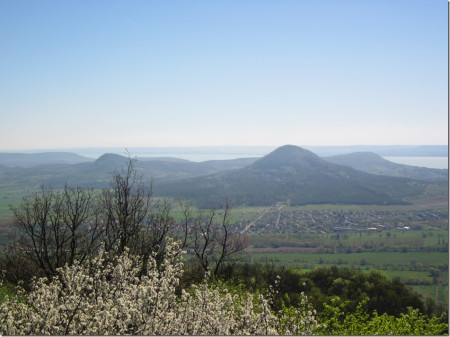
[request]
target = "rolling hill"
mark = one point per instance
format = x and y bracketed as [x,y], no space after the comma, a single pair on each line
[44,158]
[295,174]
[370,162]
[98,173]
[288,173]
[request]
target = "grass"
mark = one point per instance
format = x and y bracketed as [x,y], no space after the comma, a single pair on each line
[6,290]
[379,259]
[10,197]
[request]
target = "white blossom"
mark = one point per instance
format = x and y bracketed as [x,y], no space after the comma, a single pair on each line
[106,297]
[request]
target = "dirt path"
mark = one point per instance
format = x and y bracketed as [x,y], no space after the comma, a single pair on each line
[252,223]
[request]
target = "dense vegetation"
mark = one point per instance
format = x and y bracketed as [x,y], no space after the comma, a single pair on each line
[325,283]
[110,295]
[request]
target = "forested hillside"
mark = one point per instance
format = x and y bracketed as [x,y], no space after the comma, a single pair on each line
[372,163]
[294,174]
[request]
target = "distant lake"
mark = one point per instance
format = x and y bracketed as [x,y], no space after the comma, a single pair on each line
[431,162]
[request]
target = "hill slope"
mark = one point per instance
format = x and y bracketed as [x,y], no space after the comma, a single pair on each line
[295,174]
[98,173]
[372,163]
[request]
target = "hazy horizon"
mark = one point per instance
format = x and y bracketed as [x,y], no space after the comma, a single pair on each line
[240,151]
[138,73]
[422,156]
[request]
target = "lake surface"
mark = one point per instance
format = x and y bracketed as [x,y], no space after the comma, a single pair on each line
[431,162]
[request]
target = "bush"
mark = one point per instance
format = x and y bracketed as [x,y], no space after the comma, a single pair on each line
[106,297]
[335,322]
[109,295]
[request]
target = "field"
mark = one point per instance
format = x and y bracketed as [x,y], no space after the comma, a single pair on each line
[413,268]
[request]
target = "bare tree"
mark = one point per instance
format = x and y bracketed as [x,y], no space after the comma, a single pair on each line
[81,216]
[151,240]
[203,239]
[229,241]
[216,244]
[132,219]
[32,218]
[59,227]
[56,227]
[187,223]
[125,206]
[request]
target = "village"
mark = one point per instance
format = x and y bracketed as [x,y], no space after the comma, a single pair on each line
[289,220]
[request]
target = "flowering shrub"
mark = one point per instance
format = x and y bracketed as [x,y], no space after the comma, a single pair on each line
[106,297]
[299,320]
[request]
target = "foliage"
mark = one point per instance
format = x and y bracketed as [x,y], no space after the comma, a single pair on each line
[334,321]
[106,296]
[325,283]
[385,296]
[298,320]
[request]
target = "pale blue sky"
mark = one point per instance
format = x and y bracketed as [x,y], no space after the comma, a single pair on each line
[134,73]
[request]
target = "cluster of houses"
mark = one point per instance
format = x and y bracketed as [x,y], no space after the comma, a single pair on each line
[291,220]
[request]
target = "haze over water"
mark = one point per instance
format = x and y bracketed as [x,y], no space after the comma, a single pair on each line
[431,162]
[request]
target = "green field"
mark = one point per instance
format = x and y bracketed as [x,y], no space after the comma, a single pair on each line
[381,260]
[413,268]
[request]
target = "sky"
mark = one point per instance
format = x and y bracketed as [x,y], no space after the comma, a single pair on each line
[160,73]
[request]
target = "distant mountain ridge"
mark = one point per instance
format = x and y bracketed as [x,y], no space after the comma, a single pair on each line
[372,163]
[384,150]
[44,158]
[251,151]
[287,173]
[295,174]
[97,173]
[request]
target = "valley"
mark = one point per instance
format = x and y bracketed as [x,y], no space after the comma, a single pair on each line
[295,209]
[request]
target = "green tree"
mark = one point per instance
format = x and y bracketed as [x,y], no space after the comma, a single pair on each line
[334,321]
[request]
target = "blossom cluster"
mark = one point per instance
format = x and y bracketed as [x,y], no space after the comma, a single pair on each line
[109,296]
